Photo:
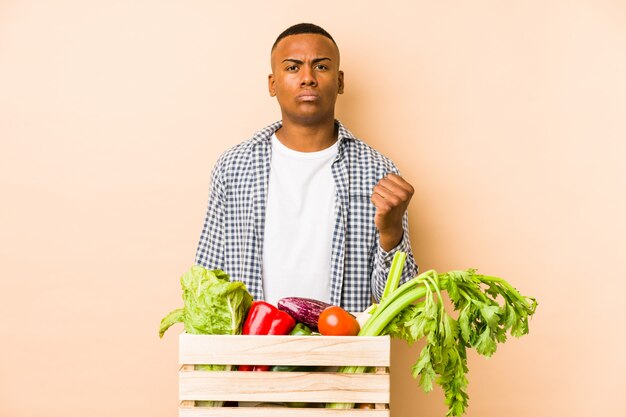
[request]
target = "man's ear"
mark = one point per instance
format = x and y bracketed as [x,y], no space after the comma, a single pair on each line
[340,82]
[270,85]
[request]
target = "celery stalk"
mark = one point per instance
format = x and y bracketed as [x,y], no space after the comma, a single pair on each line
[395,274]
[482,323]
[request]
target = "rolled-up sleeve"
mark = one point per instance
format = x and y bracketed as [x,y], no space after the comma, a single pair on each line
[383,259]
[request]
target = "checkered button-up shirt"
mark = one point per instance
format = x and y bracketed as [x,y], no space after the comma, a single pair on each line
[232,236]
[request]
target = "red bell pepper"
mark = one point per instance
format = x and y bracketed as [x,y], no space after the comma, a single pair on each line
[265,319]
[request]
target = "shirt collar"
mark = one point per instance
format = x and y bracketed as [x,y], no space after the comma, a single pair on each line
[265,135]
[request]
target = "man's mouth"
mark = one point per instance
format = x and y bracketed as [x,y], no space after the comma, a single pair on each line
[309,96]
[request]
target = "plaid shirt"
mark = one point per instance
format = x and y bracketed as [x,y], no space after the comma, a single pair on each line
[232,236]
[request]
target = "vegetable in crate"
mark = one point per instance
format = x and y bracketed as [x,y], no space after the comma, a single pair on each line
[301,329]
[304,310]
[265,319]
[212,305]
[416,310]
[335,321]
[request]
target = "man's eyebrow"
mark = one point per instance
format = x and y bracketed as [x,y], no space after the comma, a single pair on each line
[299,62]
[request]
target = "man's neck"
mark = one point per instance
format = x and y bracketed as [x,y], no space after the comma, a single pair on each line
[305,138]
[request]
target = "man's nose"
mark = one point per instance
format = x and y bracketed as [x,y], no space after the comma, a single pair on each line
[308,77]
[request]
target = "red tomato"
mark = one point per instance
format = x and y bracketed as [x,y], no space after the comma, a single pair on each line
[335,321]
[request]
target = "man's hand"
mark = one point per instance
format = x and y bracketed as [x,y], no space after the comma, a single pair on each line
[391,197]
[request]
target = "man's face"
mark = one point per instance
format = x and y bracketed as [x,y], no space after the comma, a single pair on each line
[305,78]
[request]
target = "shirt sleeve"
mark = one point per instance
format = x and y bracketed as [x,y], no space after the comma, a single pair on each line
[210,252]
[383,259]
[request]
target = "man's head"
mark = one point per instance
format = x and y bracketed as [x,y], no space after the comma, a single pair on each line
[305,76]
[303,29]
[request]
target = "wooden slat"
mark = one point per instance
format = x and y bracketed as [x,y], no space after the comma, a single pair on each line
[187,403]
[284,350]
[278,412]
[284,387]
[381,370]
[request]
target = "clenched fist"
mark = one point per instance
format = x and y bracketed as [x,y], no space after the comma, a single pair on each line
[391,197]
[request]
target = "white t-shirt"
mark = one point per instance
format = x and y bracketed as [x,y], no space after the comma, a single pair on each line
[299,220]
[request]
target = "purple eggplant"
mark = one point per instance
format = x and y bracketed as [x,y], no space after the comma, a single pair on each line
[304,310]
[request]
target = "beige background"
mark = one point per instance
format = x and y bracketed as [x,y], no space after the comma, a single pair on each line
[508,117]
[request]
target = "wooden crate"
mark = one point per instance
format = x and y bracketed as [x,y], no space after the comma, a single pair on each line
[309,387]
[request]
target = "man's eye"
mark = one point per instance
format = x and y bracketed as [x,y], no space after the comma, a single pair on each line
[321,67]
[292,67]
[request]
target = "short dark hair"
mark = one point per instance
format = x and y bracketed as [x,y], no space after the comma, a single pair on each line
[300,29]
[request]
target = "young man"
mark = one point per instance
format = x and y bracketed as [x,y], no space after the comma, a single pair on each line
[304,208]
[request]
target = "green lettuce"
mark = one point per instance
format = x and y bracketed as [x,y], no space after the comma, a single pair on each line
[212,305]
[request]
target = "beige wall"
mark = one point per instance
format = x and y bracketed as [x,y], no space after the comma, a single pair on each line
[508,117]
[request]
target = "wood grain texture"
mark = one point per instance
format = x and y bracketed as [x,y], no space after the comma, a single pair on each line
[284,350]
[310,387]
[284,387]
[381,370]
[278,412]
